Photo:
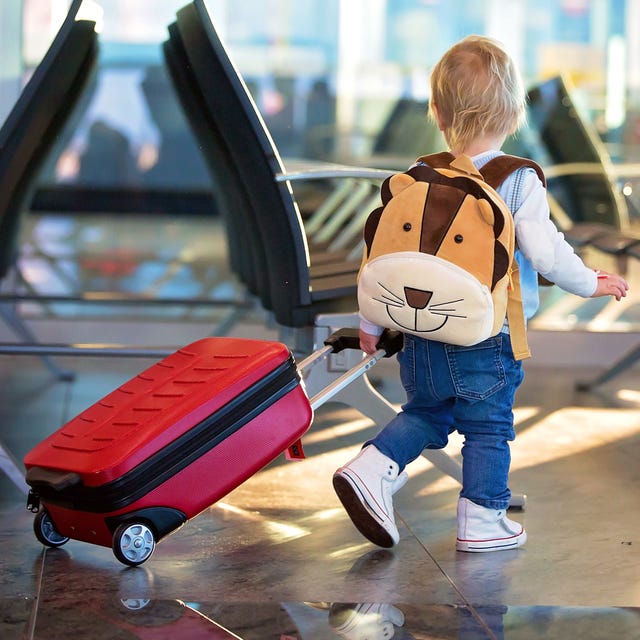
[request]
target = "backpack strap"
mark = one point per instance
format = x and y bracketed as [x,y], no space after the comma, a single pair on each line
[494,172]
[515,316]
[440,160]
[497,170]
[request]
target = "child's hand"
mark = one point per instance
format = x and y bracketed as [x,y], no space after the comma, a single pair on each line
[610,284]
[368,342]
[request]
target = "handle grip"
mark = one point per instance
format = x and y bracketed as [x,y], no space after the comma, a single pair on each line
[349,338]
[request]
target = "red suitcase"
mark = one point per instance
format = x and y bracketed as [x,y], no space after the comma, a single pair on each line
[170,442]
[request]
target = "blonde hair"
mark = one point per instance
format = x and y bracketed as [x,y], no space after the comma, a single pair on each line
[476,90]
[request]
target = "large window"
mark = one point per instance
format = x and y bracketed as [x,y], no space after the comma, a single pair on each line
[339,80]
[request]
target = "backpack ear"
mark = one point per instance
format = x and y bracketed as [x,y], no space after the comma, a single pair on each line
[486,211]
[492,215]
[394,184]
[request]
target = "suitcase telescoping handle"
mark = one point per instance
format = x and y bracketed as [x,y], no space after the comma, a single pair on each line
[390,343]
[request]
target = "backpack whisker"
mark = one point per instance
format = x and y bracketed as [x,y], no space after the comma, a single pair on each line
[391,293]
[389,302]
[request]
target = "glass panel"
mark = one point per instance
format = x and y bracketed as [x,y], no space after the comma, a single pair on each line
[338,80]
[345,81]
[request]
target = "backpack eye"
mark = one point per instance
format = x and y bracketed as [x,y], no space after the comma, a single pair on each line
[458,238]
[406,226]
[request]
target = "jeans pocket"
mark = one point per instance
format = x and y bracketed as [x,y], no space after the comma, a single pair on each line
[477,371]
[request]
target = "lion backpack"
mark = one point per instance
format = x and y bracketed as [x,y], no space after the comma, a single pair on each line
[439,253]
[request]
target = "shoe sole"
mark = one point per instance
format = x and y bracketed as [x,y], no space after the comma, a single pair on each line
[363,520]
[484,546]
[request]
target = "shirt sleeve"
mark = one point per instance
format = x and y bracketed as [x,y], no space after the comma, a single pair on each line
[369,327]
[545,247]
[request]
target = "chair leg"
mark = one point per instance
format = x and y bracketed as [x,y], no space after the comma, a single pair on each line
[22,330]
[229,321]
[620,365]
[11,469]
[361,395]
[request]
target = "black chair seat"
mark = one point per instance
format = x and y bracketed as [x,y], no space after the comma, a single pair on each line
[582,234]
[615,243]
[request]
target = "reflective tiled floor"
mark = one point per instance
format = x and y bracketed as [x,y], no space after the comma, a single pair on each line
[278,558]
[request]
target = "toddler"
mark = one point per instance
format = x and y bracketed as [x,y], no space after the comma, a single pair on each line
[477,100]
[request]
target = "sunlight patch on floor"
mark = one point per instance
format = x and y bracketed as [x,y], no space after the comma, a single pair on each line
[277,531]
[629,395]
[571,431]
[337,431]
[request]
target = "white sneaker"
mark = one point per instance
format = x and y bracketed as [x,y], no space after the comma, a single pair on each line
[481,529]
[365,486]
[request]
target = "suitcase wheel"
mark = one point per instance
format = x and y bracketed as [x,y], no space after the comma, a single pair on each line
[133,543]
[46,531]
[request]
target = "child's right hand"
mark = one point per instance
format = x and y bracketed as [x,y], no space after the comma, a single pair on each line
[368,342]
[610,284]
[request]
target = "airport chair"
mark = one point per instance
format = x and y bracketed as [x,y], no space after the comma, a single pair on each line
[47,103]
[254,160]
[28,134]
[585,184]
[577,165]
[245,252]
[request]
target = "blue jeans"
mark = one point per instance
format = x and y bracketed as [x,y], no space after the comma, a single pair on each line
[467,389]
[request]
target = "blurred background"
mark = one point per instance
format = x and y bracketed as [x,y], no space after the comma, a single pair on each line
[327,75]
[340,81]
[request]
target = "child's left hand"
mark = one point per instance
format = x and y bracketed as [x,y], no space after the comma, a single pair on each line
[610,284]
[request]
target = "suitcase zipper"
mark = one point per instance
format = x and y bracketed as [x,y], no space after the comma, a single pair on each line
[179,454]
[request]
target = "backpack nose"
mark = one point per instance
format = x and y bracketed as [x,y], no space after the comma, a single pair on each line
[417,298]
